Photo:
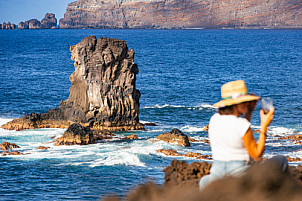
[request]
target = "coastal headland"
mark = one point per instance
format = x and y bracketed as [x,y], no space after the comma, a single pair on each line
[179,14]
[103,94]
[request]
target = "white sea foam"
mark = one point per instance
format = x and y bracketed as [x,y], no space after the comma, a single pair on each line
[282,131]
[129,153]
[165,106]
[121,158]
[4,121]
[205,106]
[144,122]
[197,107]
[191,129]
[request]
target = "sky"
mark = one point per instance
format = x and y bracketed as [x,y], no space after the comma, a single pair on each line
[15,11]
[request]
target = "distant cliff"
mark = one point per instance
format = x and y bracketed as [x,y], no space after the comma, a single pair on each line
[183,14]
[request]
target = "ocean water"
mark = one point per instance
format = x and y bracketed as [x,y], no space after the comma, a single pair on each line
[181,72]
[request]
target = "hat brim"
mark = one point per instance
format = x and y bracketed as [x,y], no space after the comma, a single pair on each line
[229,102]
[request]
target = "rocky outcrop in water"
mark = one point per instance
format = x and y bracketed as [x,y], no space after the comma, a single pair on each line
[76,135]
[103,94]
[171,152]
[48,22]
[175,136]
[183,14]
[8,146]
[7,26]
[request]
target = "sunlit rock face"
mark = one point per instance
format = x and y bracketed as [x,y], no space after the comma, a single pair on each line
[103,91]
[183,14]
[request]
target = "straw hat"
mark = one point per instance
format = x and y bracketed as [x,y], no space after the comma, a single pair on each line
[233,93]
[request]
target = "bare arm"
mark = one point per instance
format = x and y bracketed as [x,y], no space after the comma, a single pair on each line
[255,149]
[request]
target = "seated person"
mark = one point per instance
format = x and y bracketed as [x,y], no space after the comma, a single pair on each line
[231,136]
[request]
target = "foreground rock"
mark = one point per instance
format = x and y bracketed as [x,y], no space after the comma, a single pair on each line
[175,136]
[180,173]
[183,14]
[103,94]
[263,182]
[8,146]
[48,22]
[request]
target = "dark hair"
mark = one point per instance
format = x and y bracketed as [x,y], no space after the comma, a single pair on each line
[226,110]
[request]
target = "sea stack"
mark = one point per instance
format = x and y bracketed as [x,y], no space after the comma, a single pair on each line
[48,22]
[7,26]
[103,94]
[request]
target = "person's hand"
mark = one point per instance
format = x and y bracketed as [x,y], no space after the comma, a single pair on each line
[266,119]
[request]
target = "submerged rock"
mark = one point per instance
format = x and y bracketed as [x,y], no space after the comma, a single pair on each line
[43,148]
[130,137]
[4,153]
[8,146]
[103,94]
[171,152]
[175,136]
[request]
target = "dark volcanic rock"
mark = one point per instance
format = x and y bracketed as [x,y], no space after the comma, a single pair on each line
[8,146]
[103,94]
[76,135]
[175,136]
[183,14]
[49,21]
[179,173]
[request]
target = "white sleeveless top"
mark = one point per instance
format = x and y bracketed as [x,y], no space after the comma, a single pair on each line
[225,133]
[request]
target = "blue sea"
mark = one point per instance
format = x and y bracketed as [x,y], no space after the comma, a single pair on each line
[181,72]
